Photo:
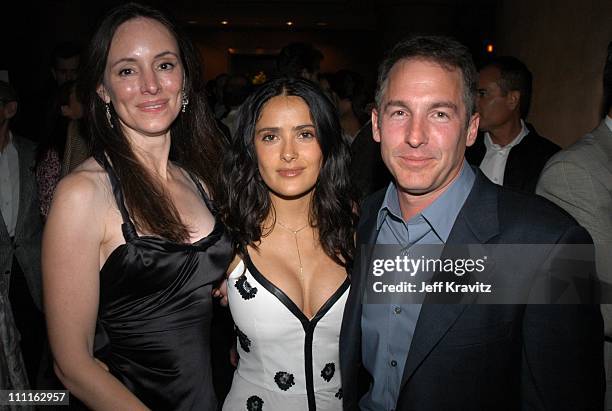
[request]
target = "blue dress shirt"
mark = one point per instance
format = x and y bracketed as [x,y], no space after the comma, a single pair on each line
[387,330]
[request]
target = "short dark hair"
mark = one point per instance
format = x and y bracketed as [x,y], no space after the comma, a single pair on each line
[445,51]
[514,76]
[246,203]
[295,57]
[607,81]
[65,50]
[236,89]
[7,92]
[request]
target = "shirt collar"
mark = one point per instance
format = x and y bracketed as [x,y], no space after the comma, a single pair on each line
[608,121]
[442,213]
[9,144]
[496,147]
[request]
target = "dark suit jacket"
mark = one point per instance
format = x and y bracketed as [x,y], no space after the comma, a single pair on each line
[488,357]
[28,230]
[525,161]
[368,171]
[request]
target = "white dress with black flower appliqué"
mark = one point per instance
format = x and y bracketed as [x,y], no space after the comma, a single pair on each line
[287,362]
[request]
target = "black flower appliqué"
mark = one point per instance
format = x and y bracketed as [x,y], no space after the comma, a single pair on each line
[328,372]
[244,341]
[284,380]
[244,288]
[339,394]
[254,403]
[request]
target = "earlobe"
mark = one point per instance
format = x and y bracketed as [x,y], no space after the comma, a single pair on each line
[10,109]
[472,131]
[375,129]
[514,99]
[103,94]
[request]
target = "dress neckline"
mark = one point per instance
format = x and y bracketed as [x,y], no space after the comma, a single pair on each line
[288,302]
[128,229]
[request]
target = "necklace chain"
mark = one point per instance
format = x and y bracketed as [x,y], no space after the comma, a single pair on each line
[295,233]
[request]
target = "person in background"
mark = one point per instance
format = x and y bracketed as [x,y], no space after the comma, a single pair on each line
[65,60]
[22,328]
[64,148]
[237,89]
[299,60]
[579,180]
[510,152]
[349,88]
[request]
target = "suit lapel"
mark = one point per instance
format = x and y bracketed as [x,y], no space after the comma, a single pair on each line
[26,187]
[476,223]
[4,235]
[350,333]
[603,136]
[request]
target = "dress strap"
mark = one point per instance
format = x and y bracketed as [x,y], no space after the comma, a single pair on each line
[128,229]
[207,200]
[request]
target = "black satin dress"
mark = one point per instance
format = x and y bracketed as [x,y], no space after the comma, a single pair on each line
[155,312]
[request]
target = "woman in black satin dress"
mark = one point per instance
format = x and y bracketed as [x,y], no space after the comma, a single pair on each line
[132,245]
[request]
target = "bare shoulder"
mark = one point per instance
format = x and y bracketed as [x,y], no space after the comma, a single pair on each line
[85,191]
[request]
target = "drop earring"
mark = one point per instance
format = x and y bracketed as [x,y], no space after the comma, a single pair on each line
[185,102]
[108,116]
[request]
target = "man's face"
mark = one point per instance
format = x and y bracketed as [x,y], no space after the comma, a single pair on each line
[7,110]
[421,126]
[495,107]
[65,69]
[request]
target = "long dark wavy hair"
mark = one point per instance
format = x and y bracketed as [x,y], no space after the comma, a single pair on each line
[196,142]
[246,202]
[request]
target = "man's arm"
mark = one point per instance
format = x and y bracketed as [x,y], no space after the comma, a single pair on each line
[562,351]
[574,189]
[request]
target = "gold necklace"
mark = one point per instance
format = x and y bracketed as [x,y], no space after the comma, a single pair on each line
[295,233]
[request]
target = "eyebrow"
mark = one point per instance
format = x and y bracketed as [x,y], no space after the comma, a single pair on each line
[133,60]
[437,104]
[395,103]
[277,129]
[445,104]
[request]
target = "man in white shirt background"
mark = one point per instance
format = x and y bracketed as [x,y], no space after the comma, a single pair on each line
[20,237]
[508,151]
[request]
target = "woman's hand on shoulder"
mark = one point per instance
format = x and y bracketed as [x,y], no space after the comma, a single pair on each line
[221,290]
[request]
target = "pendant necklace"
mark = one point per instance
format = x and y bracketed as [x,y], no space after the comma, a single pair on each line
[295,233]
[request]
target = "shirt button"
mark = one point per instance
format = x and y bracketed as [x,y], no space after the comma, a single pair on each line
[393,363]
[397,310]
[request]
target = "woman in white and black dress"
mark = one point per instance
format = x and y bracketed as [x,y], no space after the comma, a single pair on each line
[288,206]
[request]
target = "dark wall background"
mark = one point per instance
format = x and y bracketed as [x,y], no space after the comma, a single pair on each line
[563,42]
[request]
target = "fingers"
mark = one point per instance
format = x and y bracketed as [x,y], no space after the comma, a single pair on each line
[221,292]
[101,364]
[234,356]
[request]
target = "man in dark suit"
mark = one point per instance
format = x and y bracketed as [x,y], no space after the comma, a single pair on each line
[509,151]
[20,235]
[457,356]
